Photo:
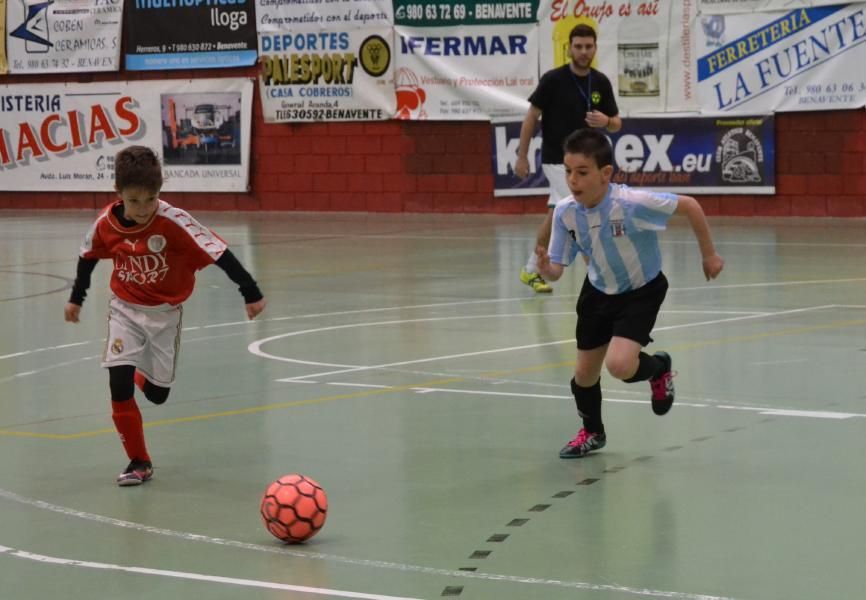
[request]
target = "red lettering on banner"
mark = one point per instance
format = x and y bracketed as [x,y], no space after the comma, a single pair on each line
[57,133]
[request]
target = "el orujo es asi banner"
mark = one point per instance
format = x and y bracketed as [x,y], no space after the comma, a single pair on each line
[65,137]
[189,34]
[708,155]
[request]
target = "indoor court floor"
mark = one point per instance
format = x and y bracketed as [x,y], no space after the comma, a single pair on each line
[402,365]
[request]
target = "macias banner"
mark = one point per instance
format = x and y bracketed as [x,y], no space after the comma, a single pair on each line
[804,59]
[64,137]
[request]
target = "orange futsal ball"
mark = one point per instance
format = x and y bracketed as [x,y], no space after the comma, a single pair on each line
[294,508]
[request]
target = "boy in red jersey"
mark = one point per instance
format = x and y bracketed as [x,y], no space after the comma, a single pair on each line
[156,250]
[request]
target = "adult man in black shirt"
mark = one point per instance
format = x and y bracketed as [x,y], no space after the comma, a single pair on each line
[567,98]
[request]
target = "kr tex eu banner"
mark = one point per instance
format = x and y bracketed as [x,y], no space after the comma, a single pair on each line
[682,154]
[64,137]
[316,74]
[189,34]
[67,36]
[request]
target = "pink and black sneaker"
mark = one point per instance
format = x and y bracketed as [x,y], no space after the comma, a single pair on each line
[583,444]
[663,386]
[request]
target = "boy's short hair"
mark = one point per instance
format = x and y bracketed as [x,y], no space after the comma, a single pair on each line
[591,143]
[582,30]
[137,165]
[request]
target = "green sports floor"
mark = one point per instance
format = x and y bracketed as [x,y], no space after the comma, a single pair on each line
[402,365]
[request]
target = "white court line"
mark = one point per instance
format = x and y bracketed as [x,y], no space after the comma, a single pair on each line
[471,302]
[359,562]
[255,347]
[194,576]
[762,410]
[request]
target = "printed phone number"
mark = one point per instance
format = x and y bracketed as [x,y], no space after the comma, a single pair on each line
[830,93]
[431,12]
[197,47]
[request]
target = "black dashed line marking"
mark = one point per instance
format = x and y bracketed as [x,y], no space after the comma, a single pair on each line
[642,458]
[498,537]
[453,590]
[468,569]
[588,481]
[517,522]
[564,494]
[703,438]
[481,554]
[539,508]
[672,448]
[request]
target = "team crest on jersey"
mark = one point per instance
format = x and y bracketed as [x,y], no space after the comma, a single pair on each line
[117,346]
[156,243]
[617,228]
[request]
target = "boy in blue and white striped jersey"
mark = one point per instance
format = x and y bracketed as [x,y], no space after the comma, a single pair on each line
[614,228]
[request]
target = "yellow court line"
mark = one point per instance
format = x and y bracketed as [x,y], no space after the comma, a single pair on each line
[401,388]
[239,411]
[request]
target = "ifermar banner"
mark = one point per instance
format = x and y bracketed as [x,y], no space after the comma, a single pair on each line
[63,36]
[320,74]
[720,7]
[689,155]
[464,59]
[64,137]
[644,48]
[290,15]
[803,59]
[189,34]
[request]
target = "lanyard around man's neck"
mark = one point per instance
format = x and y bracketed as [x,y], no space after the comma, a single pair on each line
[587,95]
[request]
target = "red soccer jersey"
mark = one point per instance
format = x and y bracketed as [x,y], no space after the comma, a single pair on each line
[154,263]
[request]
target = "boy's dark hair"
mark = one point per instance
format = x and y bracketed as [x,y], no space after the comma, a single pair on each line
[582,30]
[137,165]
[592,144]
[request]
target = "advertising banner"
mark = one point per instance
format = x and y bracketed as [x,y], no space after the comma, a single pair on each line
[689,155]
[805,59]
[63,36]
[327,75]
[451,13]
[288,15]
[64,137]
[189,34]
[644,48]
[4,66]
[720,7]
[465,72]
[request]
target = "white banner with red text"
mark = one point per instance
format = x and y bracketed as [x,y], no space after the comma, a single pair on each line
[65,137]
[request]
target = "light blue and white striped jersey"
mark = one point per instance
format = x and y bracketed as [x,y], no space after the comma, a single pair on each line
[618,235]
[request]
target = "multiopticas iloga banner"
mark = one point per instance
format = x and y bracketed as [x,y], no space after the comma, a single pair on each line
[327,75]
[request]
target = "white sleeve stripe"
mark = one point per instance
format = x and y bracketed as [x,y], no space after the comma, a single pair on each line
[200,234]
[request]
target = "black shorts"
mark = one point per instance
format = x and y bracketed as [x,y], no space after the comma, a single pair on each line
[630,315]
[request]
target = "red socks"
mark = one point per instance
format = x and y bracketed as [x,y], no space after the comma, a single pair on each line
[139,380]
[127,421]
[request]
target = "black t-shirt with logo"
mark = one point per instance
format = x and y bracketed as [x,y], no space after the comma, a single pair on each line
[562,96]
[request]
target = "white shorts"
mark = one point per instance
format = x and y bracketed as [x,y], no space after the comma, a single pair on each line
[146,337]
[558,187]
